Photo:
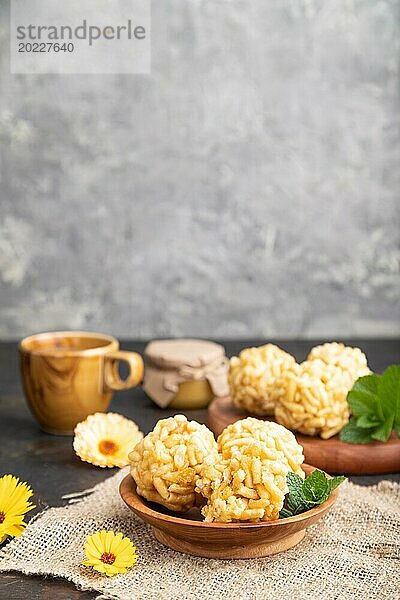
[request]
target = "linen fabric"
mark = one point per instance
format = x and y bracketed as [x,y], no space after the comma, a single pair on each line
[353,552]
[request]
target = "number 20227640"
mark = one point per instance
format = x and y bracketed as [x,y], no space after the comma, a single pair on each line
[45,47]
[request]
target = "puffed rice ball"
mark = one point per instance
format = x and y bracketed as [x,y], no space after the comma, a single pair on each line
[248,480]
[352,360]
[166,463]
[252,377]
[265,438]
[313,399]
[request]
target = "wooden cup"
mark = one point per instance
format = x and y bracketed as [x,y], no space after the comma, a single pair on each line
[68,375]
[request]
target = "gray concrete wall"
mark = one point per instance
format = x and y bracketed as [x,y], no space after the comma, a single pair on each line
[248,187]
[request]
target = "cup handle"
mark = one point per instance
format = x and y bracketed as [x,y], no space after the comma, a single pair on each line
[112,379]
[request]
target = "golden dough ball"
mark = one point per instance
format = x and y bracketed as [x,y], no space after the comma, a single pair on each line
[166,463]
[265,439]
[248,480]
[313,399]
[352,360]
[230,499]
[252,377]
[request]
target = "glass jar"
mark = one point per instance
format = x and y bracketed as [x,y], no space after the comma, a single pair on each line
[185,373]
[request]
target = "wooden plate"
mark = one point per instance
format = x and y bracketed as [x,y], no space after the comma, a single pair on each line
[330,455]
[188,534]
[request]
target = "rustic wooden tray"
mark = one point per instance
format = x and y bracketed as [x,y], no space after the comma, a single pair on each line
[330,455]
[185,532]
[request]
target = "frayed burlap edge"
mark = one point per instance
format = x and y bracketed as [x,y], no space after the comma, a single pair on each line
[352,552]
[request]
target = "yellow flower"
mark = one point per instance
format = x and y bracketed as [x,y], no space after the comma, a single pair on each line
[105,440]
[14,496]
[109,553]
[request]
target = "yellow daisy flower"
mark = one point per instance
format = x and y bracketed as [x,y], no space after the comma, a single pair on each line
[109,553]
[14,496]
[105,439]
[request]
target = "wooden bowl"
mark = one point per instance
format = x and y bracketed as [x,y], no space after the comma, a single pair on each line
[188,534]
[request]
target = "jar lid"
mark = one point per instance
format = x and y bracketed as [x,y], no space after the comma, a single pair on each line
[175,353]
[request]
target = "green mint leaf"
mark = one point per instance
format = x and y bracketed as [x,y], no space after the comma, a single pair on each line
[383,431]
[355,435]
[389,395]
[367,422]
[316,488]
[336,481]
[362,398]
[294,483]
[284,513]
[305,494]
[374,401]
[295,501]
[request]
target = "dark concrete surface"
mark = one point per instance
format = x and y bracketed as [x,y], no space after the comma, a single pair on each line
[50,466]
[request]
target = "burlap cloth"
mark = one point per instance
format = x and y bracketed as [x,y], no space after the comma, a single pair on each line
[352,553]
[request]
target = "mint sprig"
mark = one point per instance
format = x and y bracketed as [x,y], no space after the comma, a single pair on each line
[305,494]
[374,402]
